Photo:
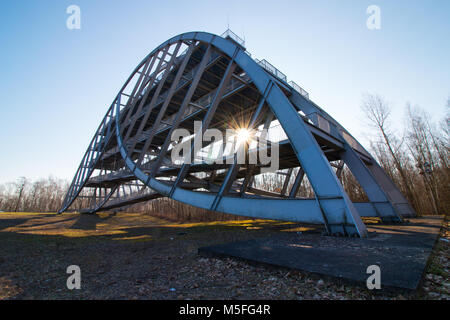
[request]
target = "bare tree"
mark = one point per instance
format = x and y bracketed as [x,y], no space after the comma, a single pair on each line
[377,112]
[22,181]
[420,143]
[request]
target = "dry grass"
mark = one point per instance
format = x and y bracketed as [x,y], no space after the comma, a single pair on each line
[137,256]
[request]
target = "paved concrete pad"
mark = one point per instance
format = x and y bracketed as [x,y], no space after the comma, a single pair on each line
[401,251]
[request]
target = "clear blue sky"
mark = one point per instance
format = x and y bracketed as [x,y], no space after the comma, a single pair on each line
[56,84]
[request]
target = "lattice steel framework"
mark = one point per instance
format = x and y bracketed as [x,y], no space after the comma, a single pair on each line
[203,77]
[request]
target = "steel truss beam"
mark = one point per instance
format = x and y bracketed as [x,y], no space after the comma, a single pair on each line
[214,81]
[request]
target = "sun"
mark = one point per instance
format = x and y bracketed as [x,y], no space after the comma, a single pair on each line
[243,135]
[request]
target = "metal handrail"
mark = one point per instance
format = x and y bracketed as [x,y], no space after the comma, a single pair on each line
[299,89]
[271,68]
[230,34]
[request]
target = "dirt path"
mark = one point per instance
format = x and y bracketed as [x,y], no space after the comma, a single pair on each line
[135,256]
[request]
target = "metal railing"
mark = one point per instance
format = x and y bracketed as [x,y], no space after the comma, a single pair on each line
[230,34]
[270,67]
[266,65]
[299,89]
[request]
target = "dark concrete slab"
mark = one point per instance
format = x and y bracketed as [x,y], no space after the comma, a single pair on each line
[401,251]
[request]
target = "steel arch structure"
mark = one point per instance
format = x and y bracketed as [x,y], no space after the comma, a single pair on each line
[212,80]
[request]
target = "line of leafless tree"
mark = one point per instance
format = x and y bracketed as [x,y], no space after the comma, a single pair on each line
[24,195]
[417,160]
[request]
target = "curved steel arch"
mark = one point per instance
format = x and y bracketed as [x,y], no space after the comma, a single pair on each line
[210,64]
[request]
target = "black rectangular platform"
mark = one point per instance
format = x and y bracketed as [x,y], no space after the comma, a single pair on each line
[401,251]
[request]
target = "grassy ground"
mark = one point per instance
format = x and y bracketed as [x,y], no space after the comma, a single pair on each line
[136,256]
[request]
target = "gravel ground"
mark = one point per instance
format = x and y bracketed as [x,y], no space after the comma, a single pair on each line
[135,256]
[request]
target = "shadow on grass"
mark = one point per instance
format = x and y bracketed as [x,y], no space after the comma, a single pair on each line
[34,243]
[131,226]
[90,221]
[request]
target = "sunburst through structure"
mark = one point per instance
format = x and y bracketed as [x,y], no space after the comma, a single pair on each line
[201,78]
